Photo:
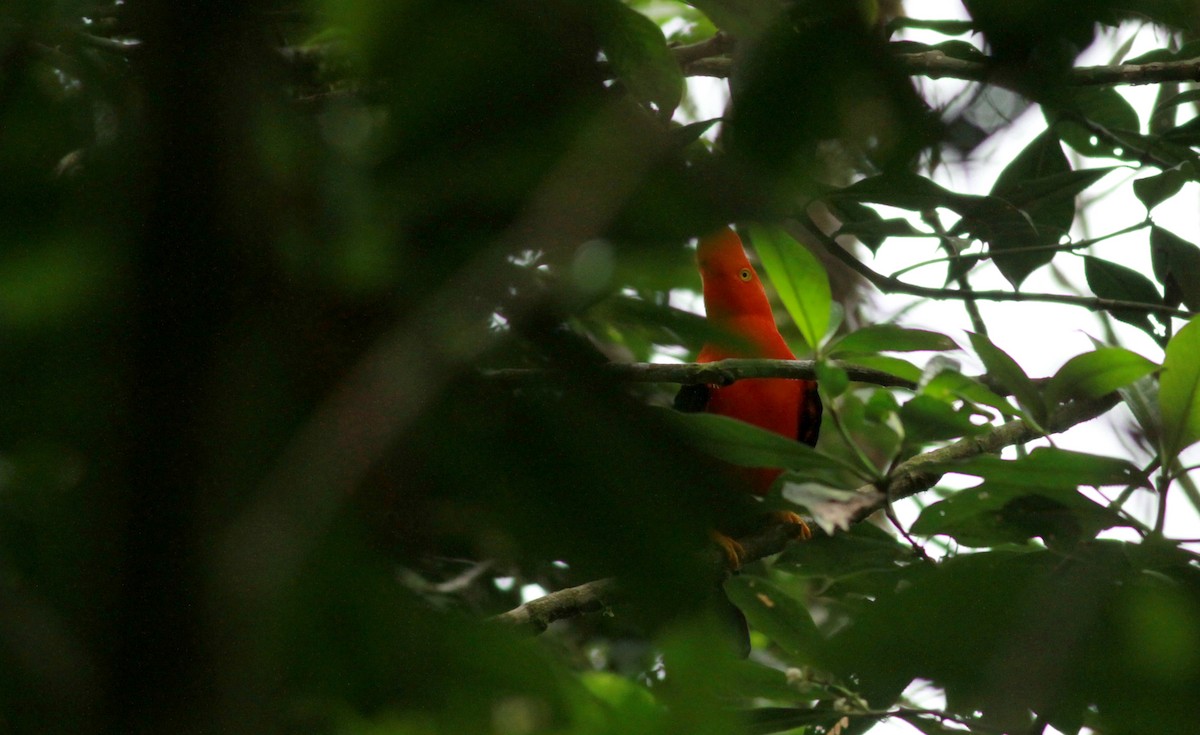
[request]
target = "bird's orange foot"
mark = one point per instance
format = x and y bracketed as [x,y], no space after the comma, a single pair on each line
[801,531]
[734,551]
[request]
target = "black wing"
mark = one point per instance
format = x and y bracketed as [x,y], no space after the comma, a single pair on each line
[693,398]
[809,425]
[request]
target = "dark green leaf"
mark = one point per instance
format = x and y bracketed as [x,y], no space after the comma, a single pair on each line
[1183,98]
[1186,134]
[1040,182]
[637,52]
[1109,280]
[904,191]
[881,229]
[1094,374]
[1031,496]
[1189,50]
[944,27]
[777,614]
[800,280]
[749,446]
[1102,106]
[890,338]
[864,548]
[860,219]
[1153,190]
[1176,264]
[1179,391]
[1004,369]
[685,135]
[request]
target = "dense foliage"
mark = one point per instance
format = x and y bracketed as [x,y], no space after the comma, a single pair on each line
[307,320]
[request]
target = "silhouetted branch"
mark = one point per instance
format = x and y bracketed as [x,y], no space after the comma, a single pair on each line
[908,479]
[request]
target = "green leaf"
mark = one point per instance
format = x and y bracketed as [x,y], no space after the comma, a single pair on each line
[1176,264]
[832,379]
[1109,280]
[891,365]
[1179,391]
[800,280]
[927,419]
[1006,370]
[890,338]
[989,515]
[1033,496]
[1142,398]
[1094,374]
[864,548]
[1046,467]
[951,383]
[745,445]
[1154,190]
[777,614]
[638,54]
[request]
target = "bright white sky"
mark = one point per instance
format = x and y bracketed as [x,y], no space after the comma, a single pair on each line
[1041,337]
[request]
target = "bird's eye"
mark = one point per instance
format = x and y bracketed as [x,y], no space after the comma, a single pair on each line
[744,274]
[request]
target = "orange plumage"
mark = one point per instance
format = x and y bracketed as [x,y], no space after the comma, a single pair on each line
[736,303]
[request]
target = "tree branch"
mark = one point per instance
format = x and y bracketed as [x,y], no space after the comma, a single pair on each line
[916,475]
[911,477]
[888,284]
[721,372]
[937,65]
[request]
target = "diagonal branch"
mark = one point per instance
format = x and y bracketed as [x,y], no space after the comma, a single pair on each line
[908,479]
[937,65]
[808,229]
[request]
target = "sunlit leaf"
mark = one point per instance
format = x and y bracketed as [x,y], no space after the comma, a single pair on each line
[1179,391]
[1094,374]
[799,278]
